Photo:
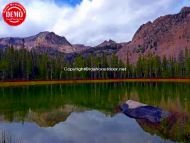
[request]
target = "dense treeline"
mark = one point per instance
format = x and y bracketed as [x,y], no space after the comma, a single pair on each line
[28,65]
[151,66]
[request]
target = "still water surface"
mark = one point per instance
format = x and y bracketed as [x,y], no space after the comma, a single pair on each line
[83,113]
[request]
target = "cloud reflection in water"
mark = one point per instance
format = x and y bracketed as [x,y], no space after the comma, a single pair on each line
[85,127]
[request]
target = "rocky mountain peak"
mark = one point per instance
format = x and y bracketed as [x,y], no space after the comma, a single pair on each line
[42,42]
[166,36]
[185,10]
[51,38]
[107,43]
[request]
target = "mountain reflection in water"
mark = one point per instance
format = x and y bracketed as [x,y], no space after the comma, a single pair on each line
[85,127]
[75,113]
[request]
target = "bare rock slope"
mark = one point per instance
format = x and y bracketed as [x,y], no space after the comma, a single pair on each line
[166,36]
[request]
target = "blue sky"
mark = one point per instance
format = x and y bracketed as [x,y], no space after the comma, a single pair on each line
[89,22]
[68,2]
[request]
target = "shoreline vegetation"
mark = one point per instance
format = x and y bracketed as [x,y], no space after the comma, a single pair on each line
[79,81]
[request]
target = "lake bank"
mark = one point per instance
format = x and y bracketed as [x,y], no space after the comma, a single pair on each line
[44,82]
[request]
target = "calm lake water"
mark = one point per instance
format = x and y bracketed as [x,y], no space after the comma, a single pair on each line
[88,113]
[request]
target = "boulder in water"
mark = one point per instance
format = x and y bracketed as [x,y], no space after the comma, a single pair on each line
[139,110]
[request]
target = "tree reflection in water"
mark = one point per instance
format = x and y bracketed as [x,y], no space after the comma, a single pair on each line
[6,137]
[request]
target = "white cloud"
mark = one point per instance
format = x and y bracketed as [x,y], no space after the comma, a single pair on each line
[91,22]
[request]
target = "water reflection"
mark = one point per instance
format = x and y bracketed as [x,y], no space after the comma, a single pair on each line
[85,127]
[56,113]
[168,125]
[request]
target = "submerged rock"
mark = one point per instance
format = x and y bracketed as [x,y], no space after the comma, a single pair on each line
[138,110]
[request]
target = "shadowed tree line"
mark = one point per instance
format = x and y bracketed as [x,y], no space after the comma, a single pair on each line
[28,65]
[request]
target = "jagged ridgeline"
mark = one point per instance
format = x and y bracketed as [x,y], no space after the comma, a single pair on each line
[159,49]
[165,36]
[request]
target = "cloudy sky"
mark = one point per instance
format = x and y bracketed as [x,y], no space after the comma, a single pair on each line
[89,21]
